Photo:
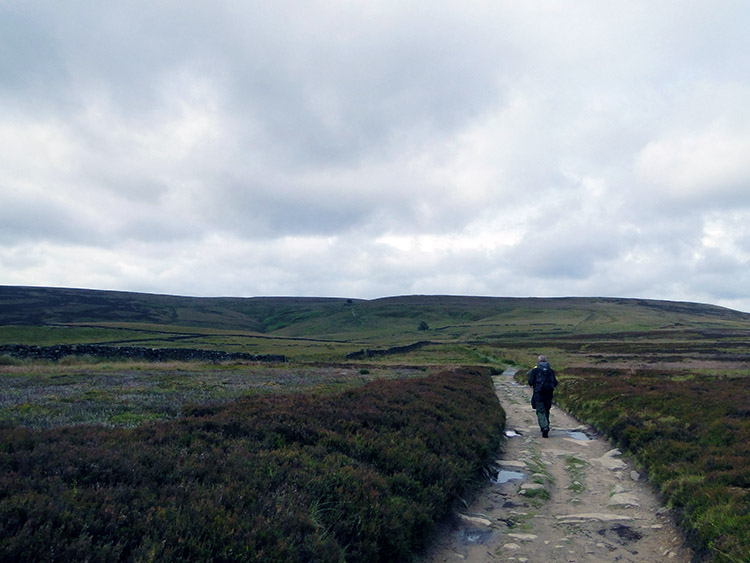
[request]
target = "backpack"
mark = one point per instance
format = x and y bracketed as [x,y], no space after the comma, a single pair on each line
[545,378]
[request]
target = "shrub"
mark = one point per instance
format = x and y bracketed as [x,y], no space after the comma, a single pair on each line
[358,476]
[690,434]
[8,360]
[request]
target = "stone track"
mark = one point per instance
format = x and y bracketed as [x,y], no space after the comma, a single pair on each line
[569,497]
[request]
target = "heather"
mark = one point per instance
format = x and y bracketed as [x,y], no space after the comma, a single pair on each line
[667,380]
[690,432]
[359,475]
[92,391]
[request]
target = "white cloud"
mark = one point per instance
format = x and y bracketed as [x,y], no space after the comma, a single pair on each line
[709,166]
[370,149]
[729,234]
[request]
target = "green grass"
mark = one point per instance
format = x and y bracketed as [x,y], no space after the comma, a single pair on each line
[576,469]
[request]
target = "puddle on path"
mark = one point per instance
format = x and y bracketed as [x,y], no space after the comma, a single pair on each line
[474,536]
[505,475]
[578,435]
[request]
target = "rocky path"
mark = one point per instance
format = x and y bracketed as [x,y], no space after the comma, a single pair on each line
[569,497]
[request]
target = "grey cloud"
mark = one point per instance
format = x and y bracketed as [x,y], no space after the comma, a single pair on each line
[330,103]
[39,220]
[302,94]
[323,86]
[185,138]
[29,61]
[550,254]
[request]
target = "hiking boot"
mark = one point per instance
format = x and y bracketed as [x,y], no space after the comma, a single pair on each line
[545,432]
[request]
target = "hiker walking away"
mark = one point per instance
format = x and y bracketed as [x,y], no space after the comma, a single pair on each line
[542,379]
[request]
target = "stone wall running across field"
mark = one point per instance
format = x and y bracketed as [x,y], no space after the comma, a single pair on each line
[367,353]
[59,351]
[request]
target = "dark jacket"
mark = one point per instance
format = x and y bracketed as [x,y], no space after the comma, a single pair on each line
[535,381]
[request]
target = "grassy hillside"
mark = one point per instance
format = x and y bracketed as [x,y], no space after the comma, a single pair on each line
[44,306]
[328,328]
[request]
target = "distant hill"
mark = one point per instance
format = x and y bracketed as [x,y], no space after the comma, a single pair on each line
[329,317]
[44,306]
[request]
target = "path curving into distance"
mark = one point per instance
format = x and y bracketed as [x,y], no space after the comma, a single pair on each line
[569,497]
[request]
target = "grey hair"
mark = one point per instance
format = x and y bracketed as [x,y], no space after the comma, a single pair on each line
[542,358]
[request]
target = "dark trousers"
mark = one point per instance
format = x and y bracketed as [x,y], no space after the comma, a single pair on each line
[543,405]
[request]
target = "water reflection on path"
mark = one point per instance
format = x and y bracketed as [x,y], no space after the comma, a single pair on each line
[505,475]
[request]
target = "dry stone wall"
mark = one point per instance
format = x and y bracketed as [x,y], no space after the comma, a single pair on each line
[59,351]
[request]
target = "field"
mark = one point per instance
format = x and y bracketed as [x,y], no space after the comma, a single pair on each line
[667,381]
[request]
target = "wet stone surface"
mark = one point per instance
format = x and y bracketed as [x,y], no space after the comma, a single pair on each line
[568,497]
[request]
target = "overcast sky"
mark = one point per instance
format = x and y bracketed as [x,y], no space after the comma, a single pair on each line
[368,149]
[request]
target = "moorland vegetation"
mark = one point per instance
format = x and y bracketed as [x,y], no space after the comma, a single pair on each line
[691,435]
[666,381]
[361,475]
